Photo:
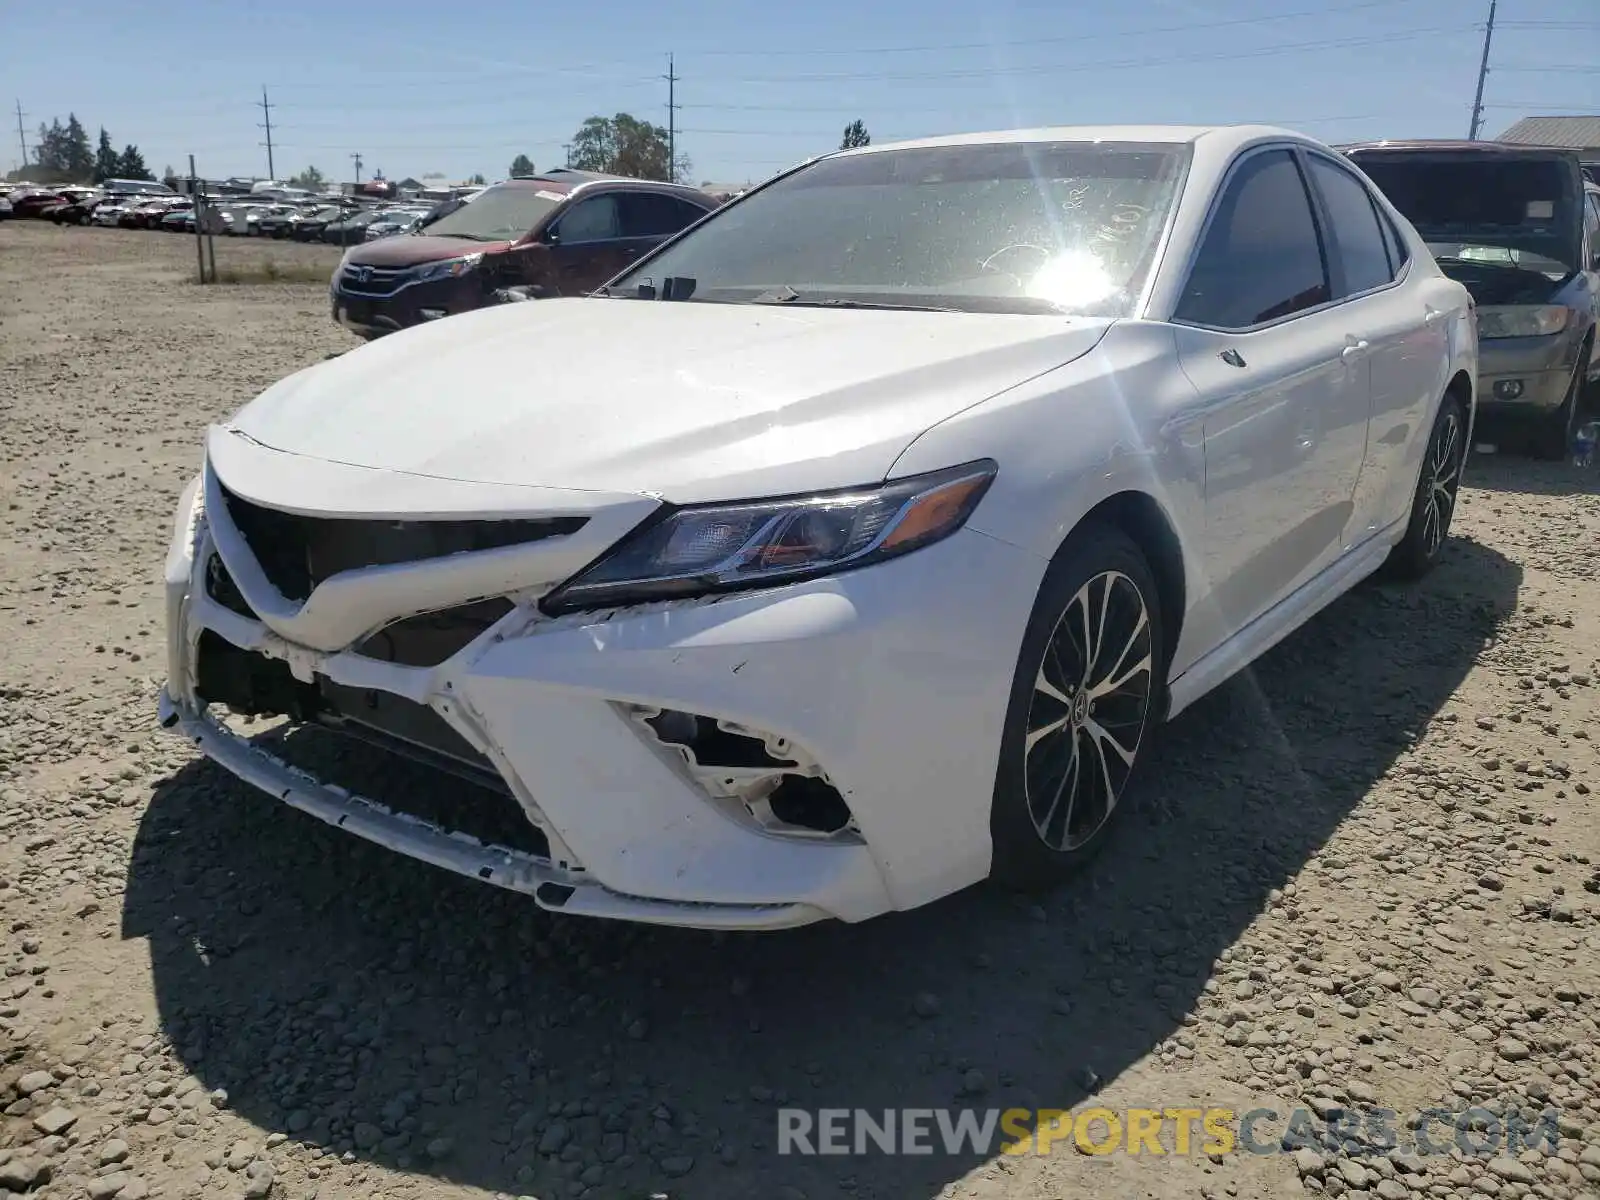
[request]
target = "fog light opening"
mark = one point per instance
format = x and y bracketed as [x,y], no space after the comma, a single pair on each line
[1508,389]
[810,803]
[751,774]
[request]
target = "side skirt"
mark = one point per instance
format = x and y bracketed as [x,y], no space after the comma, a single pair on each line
[1278,622]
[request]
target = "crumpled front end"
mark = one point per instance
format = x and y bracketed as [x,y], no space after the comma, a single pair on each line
[759,761]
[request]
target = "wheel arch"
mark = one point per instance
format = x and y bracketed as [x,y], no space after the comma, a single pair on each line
[1461,387]
[1142,518]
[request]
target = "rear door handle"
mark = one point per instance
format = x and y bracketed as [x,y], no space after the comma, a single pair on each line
[1354,350]
[1432,317]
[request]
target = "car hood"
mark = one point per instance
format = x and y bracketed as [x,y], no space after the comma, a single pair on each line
[409,251]
[1497,284]
[686,401]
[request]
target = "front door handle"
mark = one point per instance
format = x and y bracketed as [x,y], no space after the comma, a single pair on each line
[1433,316]
[1354,350]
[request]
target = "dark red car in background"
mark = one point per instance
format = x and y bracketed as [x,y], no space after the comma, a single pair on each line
[559,234]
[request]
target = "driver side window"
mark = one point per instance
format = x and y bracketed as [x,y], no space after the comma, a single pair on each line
[1262,257]
[591,220]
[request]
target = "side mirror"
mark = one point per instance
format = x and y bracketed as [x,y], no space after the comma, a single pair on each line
[551,236]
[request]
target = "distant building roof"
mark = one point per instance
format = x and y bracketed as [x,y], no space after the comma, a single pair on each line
[1577,133]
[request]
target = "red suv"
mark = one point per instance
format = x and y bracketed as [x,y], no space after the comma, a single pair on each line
[559,234]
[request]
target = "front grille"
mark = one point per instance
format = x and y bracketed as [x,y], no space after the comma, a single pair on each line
[297,553]
[373,281]
[428,639]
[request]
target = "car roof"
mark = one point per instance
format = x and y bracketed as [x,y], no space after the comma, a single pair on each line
[1175,135]
[1522,149]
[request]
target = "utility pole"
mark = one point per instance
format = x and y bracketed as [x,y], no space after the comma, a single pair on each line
[22,137]
[567,148]
[672,121]
[1483,72]
[266,112]
[357,157]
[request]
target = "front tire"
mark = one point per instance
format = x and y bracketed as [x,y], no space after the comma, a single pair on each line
[1434,502]
[1552,440]
[1087,689]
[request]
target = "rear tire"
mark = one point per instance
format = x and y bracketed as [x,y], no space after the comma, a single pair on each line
[1433,504]
[1088,687]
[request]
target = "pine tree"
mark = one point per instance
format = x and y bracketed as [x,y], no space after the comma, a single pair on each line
[79,157]
[130,164]
[107,163]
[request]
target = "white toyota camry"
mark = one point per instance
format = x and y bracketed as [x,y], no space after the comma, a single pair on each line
[844,551]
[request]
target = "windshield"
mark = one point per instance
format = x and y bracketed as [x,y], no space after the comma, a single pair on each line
[1483,205]
[498,214]
[1007,227]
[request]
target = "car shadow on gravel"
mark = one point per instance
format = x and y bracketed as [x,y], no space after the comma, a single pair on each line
[375,1008]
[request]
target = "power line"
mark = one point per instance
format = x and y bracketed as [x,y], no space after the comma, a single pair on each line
[266,111]
[1547,70]
[988,74]
[1074,38]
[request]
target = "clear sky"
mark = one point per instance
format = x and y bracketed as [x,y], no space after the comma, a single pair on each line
[463,87]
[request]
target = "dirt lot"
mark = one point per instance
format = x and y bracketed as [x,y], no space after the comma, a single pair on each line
[1365,874]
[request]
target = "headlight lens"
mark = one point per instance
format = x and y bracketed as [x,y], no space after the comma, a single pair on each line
[449,267]
[724,547]
[1521,320]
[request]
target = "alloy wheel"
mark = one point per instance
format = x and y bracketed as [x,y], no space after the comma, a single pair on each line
[1088,710]
[1444,476]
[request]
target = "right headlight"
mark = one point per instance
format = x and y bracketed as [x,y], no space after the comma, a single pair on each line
[1521,320]
[726,547]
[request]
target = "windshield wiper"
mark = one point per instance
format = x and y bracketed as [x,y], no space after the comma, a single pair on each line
[788,296]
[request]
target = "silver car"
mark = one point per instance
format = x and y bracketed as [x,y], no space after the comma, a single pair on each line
[1519,226]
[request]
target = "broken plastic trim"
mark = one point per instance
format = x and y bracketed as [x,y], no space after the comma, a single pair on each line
[759,778]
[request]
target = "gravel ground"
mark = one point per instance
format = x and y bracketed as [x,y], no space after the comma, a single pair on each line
[1365,874]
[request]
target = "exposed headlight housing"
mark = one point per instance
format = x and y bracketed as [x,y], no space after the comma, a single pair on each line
[727,547]
[1521,320]
[449,267]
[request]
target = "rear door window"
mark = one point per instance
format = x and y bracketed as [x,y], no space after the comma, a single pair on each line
[1356,241]
[652,214]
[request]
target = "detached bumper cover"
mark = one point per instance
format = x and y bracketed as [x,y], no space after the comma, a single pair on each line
[893,680]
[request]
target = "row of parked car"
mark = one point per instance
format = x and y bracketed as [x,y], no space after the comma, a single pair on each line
[134,204]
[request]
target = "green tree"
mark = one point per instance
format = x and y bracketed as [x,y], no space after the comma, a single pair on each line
[50,152]
[855,134]
[63,152]
[107,163]
[522,165]
[311,179]
[624,145]
[80,156]
[130,164]
[478,179]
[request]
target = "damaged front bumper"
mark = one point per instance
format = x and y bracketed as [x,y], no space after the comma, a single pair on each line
[758,761]
[515,870]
